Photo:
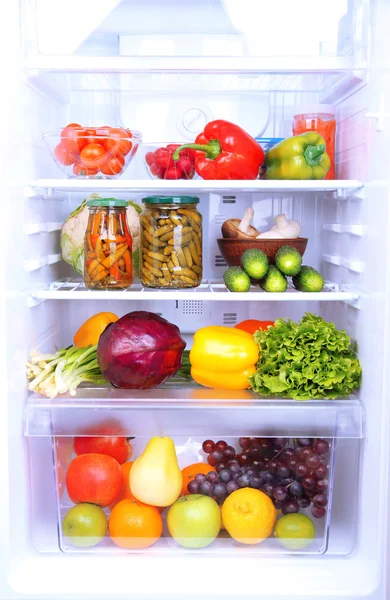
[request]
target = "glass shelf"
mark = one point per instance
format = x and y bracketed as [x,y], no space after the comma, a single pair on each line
[182,409]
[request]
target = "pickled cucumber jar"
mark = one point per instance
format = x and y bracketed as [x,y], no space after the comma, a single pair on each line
[171,242]
[107,245]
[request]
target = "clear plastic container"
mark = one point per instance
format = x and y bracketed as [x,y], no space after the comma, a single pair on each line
[320,118]
[189,416]
[107,246]
[171,242]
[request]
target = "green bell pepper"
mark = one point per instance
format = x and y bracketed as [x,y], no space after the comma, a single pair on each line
[299,157]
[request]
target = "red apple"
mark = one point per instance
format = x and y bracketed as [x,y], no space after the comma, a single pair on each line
[94,478]
[117,447]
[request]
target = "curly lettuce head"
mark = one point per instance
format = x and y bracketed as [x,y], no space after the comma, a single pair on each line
[306,360]
[75,226]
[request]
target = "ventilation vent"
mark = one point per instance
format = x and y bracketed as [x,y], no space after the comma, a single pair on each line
[228,199]
[219,261]
[229,318]
[192,307]
[219,219]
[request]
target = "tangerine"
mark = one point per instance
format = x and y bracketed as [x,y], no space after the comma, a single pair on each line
[133,524]
[248,515]
[125,492]
[191,471]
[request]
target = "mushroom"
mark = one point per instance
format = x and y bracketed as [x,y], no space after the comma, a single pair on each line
[283,228]
[236,228]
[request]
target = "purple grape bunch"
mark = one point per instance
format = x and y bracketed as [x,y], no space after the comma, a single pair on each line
[294,474]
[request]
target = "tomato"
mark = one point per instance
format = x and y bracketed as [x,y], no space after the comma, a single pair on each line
[73,137]
[93,156]
[113,166]
[252,325]
[63,156]
[117,447]
[91,137]
[81,170]
[118,142]
[104,131]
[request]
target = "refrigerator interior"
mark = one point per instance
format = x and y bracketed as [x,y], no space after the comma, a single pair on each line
[66,81]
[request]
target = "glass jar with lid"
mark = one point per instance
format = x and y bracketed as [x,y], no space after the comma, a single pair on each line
[171,242]
[107,245]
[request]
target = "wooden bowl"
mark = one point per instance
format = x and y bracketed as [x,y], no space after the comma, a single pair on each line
[232,249]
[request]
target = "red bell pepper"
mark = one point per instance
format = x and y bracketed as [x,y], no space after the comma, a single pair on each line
[225,151]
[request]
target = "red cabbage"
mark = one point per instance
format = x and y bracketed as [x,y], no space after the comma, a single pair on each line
[140,350]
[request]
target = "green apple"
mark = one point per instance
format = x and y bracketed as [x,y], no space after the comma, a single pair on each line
[85,525]
[295,531]
[194,521]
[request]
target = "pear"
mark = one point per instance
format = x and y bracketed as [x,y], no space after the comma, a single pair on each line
[155,477]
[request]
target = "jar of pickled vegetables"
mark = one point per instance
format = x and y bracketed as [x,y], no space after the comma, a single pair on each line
[320,118]
[107,245]
[171,242]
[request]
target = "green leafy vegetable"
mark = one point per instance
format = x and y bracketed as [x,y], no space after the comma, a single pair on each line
[185,369]
[52,374]
[306,360]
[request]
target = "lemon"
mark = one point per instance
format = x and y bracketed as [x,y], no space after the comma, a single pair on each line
[248,515]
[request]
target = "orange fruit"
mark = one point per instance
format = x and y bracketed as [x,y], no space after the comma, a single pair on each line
[248,515]
[190,472]
[133,524]
[125,492]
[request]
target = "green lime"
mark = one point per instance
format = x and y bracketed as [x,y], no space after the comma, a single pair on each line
[295,531]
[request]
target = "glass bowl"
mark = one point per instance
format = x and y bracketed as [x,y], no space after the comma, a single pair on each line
[92,152]
[160,164]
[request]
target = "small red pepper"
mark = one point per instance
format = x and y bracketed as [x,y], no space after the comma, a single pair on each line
[225,151]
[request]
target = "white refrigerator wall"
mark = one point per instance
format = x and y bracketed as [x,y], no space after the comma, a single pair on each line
[28,573]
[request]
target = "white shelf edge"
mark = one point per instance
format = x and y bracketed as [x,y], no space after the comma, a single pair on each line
[189,64]
[195,185]
[208,291]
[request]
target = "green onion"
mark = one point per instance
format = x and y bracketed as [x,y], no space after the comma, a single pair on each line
[62,372]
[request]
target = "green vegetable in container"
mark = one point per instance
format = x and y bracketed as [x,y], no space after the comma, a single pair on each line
[306,360]
[274,281]
[308,280]
[236,280]
[254,262]
[288,260]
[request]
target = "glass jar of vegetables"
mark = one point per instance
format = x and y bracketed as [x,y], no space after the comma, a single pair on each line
[171,242]
[107,245]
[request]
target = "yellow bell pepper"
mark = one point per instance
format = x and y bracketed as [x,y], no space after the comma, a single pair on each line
[223,357]
[90,331]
